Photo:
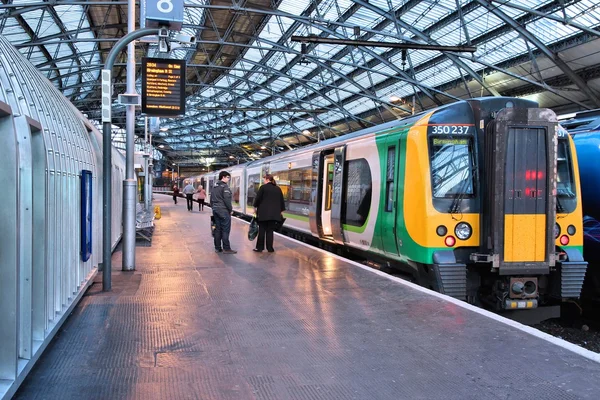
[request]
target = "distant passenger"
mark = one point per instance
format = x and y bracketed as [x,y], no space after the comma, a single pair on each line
[189,191]
[220,199]
[269,205]
[175,193]
[201,196]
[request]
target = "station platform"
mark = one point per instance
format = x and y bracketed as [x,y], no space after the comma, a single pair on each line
[294,324]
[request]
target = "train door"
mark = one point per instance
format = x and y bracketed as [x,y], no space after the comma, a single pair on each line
[327,185]
[337,204]
[389,209]
[519,203]
[525,188]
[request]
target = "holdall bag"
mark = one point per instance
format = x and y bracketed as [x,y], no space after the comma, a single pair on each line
[253,229]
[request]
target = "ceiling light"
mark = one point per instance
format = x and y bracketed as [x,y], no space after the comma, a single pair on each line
[394,99]
[263,147]
[164,129]
[306,132]
[161,146]
[231,157]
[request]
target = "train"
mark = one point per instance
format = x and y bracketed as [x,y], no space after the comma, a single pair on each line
[479,199]
[584,128]
[51,219]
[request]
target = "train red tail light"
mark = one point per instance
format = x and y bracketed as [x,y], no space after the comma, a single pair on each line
[564,240]
[450,241]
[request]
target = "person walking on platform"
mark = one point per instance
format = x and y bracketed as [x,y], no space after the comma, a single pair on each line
[175,193]
[269,205]
[222,209]
[201,195]
[189,191]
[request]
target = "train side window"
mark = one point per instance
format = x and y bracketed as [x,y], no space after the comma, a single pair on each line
[253,184]
[235,189]
[357,192]
[389,179]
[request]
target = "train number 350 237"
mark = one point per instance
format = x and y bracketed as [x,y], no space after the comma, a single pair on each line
[450,129]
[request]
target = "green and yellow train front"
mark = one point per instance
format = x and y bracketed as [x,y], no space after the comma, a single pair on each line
[470,195]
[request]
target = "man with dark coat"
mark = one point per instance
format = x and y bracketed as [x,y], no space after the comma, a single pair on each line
[269,205]
[222,210]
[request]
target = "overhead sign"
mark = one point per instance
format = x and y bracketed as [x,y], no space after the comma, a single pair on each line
[163,87]
[167,13]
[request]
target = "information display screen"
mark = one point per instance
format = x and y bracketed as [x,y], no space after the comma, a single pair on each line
[163,87]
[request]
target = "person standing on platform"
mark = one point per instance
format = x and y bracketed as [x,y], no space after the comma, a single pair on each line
[222,209]
[201,195]
[189,191]
[269,205]
[175,193]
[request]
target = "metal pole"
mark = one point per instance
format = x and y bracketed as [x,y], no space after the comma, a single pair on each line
[106,149]
[129,184]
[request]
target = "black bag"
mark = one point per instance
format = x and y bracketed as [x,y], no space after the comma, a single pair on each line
[253,230]
[279,225]
[213,225]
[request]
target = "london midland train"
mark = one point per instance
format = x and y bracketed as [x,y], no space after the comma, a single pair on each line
[479,199]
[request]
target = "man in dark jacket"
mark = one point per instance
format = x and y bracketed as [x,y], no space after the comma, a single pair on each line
[220,199]
[270,205]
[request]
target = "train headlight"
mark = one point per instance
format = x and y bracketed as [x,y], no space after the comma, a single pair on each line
[571,230]
[463,231]
[556,230]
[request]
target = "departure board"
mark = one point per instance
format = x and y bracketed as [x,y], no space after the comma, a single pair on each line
[163,87]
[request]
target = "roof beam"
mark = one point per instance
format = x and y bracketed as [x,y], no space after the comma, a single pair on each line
[544,49]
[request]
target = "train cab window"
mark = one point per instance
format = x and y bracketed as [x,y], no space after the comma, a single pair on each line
[451,167]
[329,187]
[357,194]
[565,185]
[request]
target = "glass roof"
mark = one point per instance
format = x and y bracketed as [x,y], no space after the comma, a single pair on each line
[251,86]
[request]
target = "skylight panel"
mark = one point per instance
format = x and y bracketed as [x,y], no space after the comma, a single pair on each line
[47,25]
[326,51]
[478,22]
[365,17]
[13,32]
[423,15]
[549,31]
[280,83]
[585,12]
[253,55]
[438,75]
[295,7]
[70,16]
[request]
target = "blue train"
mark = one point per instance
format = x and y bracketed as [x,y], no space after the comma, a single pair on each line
[585,130]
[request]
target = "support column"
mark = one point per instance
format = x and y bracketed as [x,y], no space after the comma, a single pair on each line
[129,184]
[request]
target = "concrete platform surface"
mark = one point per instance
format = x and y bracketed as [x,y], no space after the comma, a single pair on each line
[294,324]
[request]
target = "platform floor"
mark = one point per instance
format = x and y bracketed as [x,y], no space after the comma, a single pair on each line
[294,324]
